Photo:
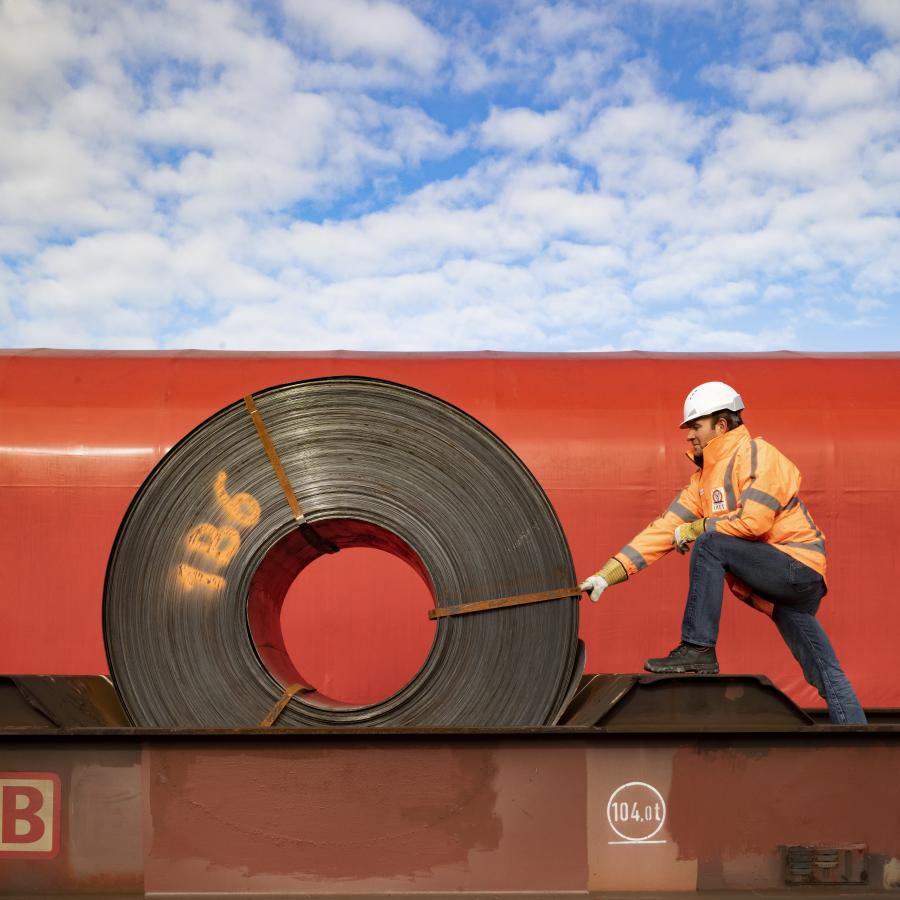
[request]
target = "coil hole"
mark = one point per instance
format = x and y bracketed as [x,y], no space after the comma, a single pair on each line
[307,612]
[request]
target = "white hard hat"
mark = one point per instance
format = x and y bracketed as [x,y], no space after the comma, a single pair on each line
[710,397]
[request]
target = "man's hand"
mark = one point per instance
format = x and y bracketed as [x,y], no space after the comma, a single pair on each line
[595,586]
[685,534]
[612,572]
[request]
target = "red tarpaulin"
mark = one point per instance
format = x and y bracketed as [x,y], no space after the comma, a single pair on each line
[80,431]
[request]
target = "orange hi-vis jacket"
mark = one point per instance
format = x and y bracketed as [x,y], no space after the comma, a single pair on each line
[747,489]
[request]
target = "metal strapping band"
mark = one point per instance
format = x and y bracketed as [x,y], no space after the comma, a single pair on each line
[309,532]
[634,556]
[283,700]
[762,497]
[502,602]
[272,453]
[681,511]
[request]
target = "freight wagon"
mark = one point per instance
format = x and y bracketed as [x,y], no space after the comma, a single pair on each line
[640,783]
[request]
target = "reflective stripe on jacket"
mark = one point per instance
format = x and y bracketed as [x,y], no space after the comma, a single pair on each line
[746,488]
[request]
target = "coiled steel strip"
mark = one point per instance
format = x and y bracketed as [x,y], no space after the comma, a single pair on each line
[209,546]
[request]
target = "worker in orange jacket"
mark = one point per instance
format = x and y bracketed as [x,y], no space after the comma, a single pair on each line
[742,512]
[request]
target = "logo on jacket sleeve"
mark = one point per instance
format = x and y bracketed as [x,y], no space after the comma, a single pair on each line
[718,500]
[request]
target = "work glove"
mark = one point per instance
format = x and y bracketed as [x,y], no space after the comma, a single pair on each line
[612,573]
[595,586]
[685,534]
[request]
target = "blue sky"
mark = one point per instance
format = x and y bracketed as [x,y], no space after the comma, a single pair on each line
[695,175]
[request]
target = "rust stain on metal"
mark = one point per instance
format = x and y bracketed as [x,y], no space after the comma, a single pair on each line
[104,823]
[783,796]
[335,814]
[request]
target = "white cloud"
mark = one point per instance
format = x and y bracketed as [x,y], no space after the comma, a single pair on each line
[561,22]
[814,90]
[883,13]
[728,295]
[574,73]
[795,153]
[560,49]
[205,129]
[98,270]
[523,129]
[778,293]
[36,40]
[471,71]
[497,215]
[693,333]
[645,143]
[559,212]
[377,29]
[463,305]
[784,46]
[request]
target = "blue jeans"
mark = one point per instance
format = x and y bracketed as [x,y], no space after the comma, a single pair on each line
[795,589]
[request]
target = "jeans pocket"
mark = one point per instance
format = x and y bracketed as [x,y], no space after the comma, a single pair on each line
[807,583]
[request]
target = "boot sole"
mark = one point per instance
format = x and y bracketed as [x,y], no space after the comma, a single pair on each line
[683,670]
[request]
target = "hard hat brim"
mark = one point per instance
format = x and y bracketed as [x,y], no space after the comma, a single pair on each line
[736,405]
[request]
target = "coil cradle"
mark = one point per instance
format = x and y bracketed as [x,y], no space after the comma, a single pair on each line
[209,546]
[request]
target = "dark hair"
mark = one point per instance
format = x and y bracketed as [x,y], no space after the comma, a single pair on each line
[732,419]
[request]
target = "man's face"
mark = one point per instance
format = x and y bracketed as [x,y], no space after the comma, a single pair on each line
[701,431]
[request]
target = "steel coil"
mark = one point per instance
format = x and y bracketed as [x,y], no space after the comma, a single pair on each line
[209,546]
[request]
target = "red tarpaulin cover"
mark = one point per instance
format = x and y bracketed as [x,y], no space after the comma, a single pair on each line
[81,430]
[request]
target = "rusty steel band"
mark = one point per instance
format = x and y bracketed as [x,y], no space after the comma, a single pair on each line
[208,550]
[272,716]
[308,531]
[464,609]
[272,453]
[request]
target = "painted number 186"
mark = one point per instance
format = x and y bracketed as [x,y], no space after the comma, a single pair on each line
[217,544]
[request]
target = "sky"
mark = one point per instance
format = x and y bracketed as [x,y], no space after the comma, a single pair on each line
[660,175]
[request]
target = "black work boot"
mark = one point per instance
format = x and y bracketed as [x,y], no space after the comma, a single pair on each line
[686,658]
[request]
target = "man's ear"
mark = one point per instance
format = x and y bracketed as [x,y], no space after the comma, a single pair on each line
[721,426]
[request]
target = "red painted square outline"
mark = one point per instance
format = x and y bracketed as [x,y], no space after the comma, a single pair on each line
[57,793]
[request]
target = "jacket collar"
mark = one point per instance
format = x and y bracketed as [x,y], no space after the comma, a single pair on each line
[725,445]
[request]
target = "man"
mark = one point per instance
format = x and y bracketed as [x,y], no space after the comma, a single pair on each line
[749,527]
